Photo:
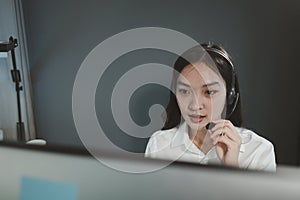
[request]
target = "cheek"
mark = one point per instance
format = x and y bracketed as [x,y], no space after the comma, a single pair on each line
[217,106]
[182,103]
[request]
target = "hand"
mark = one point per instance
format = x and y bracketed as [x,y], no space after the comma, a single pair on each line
[227,141]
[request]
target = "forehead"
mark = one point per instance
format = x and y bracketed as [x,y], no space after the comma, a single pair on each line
[199,74]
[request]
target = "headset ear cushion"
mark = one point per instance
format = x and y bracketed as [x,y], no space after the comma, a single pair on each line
[232,103]
[231,97]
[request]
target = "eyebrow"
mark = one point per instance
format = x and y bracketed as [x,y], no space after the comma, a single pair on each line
[205,85]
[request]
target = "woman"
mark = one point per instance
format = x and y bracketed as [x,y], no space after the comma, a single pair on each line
[203,122]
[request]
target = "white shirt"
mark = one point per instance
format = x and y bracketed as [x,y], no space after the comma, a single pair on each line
[174,144]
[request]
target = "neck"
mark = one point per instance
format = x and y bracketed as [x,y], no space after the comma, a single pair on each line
[201,139]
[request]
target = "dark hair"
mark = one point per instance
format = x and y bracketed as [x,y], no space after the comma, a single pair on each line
[224,68]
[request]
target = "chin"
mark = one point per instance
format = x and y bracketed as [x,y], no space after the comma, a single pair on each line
[196,126]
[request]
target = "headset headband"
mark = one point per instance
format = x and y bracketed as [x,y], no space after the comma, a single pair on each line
[232,93]
[222,54]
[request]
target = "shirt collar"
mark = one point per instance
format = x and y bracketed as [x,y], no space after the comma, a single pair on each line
[180,136]
[242,148]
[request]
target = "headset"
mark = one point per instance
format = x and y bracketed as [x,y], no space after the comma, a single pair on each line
[233,96]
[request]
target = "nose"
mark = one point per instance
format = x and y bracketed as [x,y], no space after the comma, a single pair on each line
[196,103]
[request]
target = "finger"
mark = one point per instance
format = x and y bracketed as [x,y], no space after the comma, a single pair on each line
[228,142]
[227,128]
[221,123]
[232,134]
[225,140]
[218,132]
[227,131]
[217,138]
[235,138]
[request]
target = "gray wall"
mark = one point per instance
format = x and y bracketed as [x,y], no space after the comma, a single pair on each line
[262,37]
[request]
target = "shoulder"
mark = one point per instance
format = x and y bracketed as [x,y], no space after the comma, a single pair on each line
[163,135]
[249,136]
[257,152]
[160,140]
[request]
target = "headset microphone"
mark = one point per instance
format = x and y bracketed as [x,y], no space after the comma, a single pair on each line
[210,125]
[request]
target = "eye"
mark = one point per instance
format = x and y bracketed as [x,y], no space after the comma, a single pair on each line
[211,92]
[183,91]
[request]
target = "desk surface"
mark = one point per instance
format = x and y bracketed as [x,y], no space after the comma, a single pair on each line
[177,181]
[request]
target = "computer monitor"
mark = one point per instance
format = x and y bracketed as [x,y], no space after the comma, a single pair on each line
[94,180]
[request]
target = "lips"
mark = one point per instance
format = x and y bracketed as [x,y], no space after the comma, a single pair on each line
[197,118]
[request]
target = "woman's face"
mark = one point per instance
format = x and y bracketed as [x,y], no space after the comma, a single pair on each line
[201,95]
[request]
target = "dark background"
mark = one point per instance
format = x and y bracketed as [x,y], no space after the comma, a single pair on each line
[262,37]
